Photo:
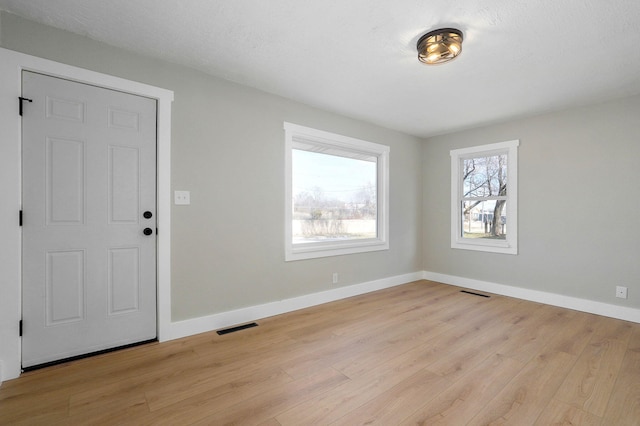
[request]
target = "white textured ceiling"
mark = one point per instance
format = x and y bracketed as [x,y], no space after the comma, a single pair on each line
[358,57]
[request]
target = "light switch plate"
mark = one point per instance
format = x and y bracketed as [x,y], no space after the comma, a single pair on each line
[182,198]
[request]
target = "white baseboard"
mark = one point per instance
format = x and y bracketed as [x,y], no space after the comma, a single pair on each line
[252,313]
[583,305]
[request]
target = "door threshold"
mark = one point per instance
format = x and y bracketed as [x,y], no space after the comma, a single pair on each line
[88,355]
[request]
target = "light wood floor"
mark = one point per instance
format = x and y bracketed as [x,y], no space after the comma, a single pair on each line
[421,353]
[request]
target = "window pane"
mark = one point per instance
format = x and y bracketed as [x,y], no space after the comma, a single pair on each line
[334,197]
[484,219]
[484,176]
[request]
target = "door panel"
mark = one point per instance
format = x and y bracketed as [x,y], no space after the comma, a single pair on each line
[65,287]
[124,174]
[65,109]
[65,181]
[89,280]
[124,283]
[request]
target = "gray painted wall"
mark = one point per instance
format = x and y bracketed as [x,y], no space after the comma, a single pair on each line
[228,150]
[579,204]
[579,192]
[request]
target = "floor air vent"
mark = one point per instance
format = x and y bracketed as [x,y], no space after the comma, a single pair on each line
[237,328]
[475,294]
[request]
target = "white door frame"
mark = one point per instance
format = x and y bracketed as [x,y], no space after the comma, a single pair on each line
[11,66]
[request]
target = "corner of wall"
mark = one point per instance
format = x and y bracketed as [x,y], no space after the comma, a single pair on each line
[562,301]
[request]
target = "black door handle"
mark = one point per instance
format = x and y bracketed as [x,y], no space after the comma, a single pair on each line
[147,231]
[147,215]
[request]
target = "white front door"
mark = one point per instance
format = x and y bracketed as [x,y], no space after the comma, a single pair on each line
[89,219]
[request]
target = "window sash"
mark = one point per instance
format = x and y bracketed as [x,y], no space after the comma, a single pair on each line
[308,139]
[458,156]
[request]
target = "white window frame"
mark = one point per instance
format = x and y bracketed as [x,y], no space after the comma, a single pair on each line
[510,244]
[297,136]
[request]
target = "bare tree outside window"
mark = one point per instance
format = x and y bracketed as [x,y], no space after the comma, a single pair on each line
[484,197]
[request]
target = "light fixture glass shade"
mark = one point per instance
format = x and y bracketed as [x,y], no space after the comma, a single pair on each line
[439,46]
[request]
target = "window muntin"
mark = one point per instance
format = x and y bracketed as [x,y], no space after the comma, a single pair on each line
[484,195]
[336,194]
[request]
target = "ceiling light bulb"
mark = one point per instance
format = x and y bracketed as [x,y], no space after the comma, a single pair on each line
[433,58]
[439,46]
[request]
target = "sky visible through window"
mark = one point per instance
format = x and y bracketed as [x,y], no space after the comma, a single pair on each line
[338,178]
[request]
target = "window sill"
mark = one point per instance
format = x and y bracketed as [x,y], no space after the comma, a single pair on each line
[503,247]
[313,251]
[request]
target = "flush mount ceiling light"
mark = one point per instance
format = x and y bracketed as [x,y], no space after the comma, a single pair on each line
[439,46]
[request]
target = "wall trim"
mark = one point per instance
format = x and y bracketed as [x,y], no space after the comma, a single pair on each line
[207,323]
[11,65]
[577,304]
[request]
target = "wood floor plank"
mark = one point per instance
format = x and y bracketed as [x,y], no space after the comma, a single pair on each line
[467,396]
[266,405]
[634,338]
[71,377]
[575,334]
[524,397]
[46,405]
[114,409]
[223,390]
[470,352]
[269,422]
[610,328]
[420,353]
[536,330]
[215,399]
[389,406]
[356,392]
[624,404]
[560,413]
[589,383]
[420,306]
[228,399]
[466,310]
[390,347]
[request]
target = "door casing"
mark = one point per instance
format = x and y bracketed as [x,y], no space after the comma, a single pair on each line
[11,66]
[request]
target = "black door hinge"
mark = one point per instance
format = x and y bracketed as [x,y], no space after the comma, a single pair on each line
[20,328]
[20,101]
[20,218]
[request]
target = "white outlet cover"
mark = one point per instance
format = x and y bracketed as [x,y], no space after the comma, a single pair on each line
[182,198]
[621,292]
